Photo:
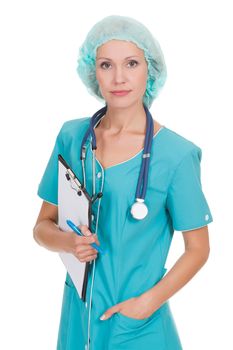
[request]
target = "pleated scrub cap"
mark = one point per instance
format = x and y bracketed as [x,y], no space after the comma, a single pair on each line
[122,28]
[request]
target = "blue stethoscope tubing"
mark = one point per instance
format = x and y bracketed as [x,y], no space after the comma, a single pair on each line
[139,209]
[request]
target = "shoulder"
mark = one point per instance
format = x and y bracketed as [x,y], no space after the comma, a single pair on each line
[178,147]
[74,127]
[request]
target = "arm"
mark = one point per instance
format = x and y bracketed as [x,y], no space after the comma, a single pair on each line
[46,231]
[195,256]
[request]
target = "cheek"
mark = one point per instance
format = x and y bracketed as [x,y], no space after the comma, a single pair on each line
[102,79]
[140,80]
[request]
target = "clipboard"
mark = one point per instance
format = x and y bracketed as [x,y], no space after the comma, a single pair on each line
[75,204]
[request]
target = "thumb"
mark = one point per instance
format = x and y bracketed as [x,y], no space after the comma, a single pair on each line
[109,313]
[85,230]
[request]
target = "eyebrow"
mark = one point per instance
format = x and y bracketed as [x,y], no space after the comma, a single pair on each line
[111,59]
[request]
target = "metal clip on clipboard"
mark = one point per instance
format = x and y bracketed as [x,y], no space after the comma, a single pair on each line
[74,203]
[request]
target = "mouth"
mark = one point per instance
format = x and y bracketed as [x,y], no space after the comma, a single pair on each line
[120,92]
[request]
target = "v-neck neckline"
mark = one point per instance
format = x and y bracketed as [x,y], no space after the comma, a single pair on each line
[163,127]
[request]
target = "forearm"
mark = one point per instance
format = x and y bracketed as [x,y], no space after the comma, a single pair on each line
[47,234]
[182,271]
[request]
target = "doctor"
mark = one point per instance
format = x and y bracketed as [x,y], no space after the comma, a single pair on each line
[127,305]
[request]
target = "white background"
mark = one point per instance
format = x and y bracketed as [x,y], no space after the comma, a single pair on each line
[40,89]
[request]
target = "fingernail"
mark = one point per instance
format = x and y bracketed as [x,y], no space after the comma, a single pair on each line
[102,317]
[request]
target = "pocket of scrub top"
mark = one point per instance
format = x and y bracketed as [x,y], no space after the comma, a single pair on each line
[131,322]
[132,319]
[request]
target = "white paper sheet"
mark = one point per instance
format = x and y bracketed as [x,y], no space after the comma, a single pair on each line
[75,208]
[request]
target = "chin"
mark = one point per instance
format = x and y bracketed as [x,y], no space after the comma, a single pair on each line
[119,104]
[122,102]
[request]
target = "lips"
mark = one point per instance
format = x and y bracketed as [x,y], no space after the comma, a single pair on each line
[120,92]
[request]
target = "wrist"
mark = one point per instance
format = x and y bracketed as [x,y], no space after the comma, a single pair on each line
[149,300]
[68,242]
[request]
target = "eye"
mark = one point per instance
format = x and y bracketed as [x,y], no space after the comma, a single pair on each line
[103,64]
[134,61]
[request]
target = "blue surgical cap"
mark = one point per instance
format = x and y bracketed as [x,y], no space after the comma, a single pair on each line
[122,28]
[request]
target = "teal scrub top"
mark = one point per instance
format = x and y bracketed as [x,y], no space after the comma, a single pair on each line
[136,249]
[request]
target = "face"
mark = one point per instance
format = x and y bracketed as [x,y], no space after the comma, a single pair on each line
[121,65]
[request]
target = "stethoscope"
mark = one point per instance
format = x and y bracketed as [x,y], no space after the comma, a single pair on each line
[139,209]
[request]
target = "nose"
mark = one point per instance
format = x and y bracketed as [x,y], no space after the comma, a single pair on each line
[119,75]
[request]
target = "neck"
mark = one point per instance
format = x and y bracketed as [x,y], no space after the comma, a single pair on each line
[120,120]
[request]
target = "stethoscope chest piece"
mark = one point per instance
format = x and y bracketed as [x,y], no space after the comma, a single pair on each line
[139,209]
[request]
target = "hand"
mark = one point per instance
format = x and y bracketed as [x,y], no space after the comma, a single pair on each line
[137,307]
[81,247]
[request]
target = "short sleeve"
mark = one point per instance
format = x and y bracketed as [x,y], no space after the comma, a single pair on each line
[48,186]
[186,201]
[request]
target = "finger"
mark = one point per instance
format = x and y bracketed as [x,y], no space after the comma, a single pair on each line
[85,230]
[85,252]
[97,241]
[109,313]
[87,233]
[89,258]
[84,240]
[88,249]
[92,239]
[96,238]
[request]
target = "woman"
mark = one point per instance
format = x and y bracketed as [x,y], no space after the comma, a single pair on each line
[127,300]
